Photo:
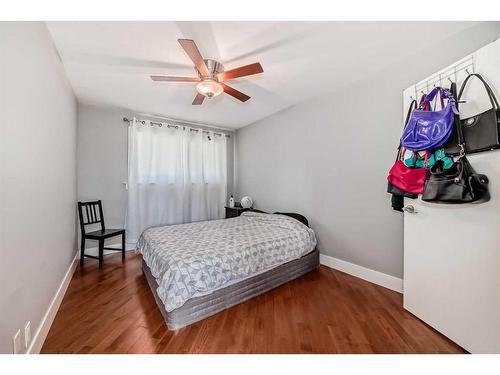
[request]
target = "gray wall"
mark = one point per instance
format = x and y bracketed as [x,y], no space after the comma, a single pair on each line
[38,176]
[102,161]
[328,157]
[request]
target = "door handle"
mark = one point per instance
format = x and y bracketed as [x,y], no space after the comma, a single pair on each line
[410,209]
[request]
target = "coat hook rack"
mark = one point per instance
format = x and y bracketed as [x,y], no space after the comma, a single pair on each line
[450,74]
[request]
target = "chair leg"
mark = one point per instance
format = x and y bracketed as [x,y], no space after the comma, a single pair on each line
[82,250]
[101,252]
[123,246]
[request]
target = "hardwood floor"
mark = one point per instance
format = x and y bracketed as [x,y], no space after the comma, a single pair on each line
[112,310]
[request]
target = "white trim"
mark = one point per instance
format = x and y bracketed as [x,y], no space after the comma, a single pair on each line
[376,277]
[48,318]
[95,250]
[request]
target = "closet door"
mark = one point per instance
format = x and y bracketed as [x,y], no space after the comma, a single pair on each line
[452,267]
[452,252]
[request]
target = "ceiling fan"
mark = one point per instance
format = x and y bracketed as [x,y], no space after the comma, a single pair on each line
[211,75]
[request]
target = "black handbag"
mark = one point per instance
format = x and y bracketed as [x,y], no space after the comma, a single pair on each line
[397,191]
[480,132]
[458,184]
[397,200]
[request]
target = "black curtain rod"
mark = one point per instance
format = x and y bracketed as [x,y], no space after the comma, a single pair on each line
[160,124]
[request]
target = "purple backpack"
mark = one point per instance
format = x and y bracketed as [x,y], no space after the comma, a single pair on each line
[429,130]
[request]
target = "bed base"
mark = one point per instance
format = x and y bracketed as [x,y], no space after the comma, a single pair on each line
[199,308]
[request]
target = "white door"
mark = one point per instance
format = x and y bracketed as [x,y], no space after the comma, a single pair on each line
[452,252]
[452,267]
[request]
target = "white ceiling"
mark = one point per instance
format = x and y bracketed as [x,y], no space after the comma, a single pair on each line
[109,63]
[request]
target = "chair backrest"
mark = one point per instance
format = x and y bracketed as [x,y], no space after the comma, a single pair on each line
[90,213]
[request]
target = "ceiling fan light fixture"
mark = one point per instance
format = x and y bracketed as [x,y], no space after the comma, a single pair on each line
[209,88]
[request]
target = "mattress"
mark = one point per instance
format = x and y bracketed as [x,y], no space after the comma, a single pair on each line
[202,307]
[197,259]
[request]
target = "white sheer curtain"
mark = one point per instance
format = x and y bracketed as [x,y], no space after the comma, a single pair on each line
[174,176]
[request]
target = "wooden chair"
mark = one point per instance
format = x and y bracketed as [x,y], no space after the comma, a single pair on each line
[91,213]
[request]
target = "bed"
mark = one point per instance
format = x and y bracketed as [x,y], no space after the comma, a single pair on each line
[196,270]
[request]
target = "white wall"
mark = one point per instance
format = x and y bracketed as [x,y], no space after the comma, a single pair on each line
[328,158]
[102,161]
[38,176]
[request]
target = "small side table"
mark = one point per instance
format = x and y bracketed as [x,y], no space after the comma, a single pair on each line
[234,211]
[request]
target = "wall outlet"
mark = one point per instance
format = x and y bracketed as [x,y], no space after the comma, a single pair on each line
[27,334]
[16,342]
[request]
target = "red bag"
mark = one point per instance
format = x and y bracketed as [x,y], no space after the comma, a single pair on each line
[407,179]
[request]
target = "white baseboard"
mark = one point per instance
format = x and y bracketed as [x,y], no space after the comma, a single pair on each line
[376,277]
[42,331]
[95,250]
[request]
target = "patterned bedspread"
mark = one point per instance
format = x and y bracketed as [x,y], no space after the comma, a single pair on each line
[195,259]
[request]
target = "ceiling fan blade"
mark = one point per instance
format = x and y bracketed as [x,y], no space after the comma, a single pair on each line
[198,99]
[194,54]
[175,79]
[233,92]
[242,71]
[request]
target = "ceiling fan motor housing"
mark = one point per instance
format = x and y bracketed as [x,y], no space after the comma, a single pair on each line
[214,67]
